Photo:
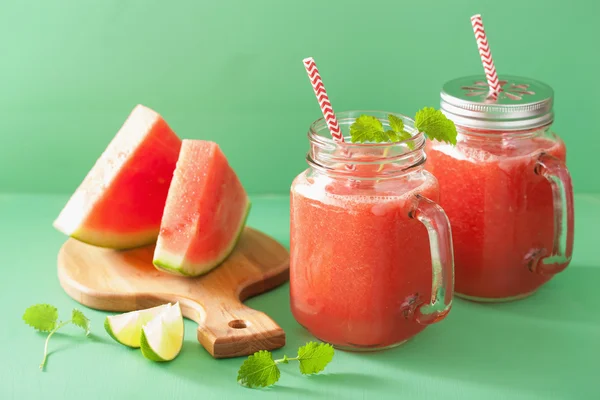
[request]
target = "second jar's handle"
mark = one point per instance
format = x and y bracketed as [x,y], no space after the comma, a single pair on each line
[442,261]
[556,172]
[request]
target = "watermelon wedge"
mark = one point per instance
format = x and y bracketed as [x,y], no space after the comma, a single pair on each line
[205,213]
[120,202]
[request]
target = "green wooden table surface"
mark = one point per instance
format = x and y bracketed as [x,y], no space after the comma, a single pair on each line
[544,347]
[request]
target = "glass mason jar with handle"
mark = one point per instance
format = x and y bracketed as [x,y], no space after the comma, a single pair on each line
[505,188]
[371,251]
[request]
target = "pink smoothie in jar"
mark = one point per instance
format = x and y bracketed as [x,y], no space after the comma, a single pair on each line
[364,227]
[505,188]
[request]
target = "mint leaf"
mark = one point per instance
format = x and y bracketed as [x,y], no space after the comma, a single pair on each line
[77,318]
[393,136]
[259,370]
[404,136]
[42,317]
[396,123]
[435,125]
[314,357]
[367,128]
[398,128]
[432,122]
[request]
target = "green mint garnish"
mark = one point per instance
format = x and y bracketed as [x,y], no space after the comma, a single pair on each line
[432,122]
[314,357]
[260,370]
[80,320]
[367,128]
[435,125]
[397,133]
[44,318]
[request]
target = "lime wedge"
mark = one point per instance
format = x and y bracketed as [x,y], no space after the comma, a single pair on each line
[162,338]
[127,328]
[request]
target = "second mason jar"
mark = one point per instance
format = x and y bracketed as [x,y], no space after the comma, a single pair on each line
[371,253]
[505,188]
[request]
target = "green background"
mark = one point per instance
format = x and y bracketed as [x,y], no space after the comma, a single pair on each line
[231,71]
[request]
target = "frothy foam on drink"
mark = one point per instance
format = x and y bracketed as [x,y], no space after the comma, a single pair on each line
[320,189]
[463,153]
[507,153]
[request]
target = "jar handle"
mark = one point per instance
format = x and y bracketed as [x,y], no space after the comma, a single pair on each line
[442,261]
[556,172]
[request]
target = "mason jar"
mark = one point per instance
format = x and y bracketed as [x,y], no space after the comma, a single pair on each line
[371,251]
[505,188]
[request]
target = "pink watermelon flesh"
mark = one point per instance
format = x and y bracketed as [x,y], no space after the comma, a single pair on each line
[205,213]
[120,202]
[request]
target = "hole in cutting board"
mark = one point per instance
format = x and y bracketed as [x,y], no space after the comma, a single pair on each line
[238,324]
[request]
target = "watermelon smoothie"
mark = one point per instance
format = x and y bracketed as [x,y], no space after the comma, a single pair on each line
[505,188]
[501,212]
[361,259]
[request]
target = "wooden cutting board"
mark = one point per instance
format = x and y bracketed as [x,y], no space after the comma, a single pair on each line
[122,281]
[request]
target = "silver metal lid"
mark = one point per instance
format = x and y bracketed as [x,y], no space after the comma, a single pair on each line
[522,103]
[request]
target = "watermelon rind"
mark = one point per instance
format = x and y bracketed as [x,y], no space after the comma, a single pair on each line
[115,241]
[168,262]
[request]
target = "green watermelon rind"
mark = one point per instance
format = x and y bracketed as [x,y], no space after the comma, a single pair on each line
[209,266]
[125,242]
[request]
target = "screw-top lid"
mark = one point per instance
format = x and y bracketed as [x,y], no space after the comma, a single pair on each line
[522,103]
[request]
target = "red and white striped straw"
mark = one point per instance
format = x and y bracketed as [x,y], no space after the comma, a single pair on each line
[486,54]
[326,109]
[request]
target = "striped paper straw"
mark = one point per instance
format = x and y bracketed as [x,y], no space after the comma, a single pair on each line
[486,54]
[326,109]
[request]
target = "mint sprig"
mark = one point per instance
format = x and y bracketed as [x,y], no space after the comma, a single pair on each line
[435,125]
[260,370]
[432,122]
[44,318]
[368,128]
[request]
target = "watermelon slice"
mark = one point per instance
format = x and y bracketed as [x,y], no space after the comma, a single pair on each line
[205,213]
[120,202]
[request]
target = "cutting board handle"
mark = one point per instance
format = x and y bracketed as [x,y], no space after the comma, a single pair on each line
[237,330]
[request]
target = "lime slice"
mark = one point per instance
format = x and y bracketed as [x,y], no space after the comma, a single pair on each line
[162,338]
[127,328]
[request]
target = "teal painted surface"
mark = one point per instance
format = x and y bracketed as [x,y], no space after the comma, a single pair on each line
[231,71]
[544,347]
